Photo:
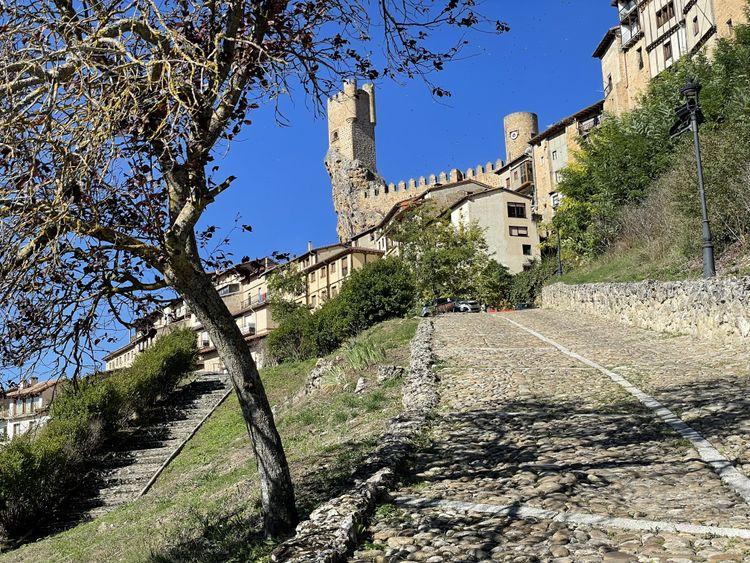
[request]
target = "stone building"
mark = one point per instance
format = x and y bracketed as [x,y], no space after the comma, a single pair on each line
[26,407]
[244,289]
[553,150]
[654,34]
[504,215]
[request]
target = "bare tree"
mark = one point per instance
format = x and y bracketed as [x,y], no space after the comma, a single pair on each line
[111,112]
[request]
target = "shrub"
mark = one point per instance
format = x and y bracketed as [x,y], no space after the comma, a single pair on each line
[527,285]
[41,471]
[619,163]
[378,291]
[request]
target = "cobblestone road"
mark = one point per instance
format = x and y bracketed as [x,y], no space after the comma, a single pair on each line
[537,456]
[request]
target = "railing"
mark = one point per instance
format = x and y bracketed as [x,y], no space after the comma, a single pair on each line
[254,301]
[626,8]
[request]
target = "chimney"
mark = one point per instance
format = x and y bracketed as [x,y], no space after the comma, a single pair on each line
[309,246]
[33,380]
[22,383]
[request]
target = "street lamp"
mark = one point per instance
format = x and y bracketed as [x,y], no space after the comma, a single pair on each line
[690,117]
[555,203]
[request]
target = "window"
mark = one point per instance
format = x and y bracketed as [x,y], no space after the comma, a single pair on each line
[367,194]
[730,25]
[527,250]
[314,300]
[517,210]
[667,51]
[507,183]
[376,192]
[229,289]
[335,136]
[324,273]
[333,267]
[519,231]
[608,87]
[344,267]
[554,155]
[205,341]
[312,276]
[640,58]
[558,176]
[696,26]
[665,14]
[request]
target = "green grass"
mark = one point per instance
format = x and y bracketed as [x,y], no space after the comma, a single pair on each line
[627,266]
[204,507]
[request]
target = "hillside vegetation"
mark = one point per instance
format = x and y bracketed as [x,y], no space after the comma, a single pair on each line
[198,510]
[631,209]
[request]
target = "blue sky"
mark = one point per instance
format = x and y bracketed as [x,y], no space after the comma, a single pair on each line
[543,64]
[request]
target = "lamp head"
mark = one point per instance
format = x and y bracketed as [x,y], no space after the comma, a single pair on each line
[691,90]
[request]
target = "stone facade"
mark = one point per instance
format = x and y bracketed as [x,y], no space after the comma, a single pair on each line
[654,34]
[713,308]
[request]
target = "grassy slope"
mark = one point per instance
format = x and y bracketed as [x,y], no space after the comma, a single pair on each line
[628,265]
[204,506]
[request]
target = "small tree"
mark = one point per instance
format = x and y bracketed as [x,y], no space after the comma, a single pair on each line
[444,260]
[111,115]
[494,284]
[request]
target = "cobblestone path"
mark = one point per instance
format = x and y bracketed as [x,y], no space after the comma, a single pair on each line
[537,456]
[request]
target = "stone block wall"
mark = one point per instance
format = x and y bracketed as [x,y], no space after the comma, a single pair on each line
[715,308]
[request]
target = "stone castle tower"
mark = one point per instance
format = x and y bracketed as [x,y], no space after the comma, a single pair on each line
[361,197]
[350,160]
[520,128]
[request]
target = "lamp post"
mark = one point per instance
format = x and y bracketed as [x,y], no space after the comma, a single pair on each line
[559,271]
[691,92]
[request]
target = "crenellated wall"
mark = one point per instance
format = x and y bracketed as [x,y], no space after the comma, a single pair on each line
[394,192]
[718,307]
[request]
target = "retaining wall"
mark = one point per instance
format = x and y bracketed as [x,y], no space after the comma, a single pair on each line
[717,308]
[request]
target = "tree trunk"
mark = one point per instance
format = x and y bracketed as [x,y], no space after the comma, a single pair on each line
[277,492]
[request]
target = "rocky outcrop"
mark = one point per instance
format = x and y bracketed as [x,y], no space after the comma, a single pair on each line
[716,307]
[332,529]
[350,180]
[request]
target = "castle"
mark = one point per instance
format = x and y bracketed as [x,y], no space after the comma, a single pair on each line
[650,36]
[362,197]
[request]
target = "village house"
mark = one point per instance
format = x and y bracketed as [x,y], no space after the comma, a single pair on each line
[654,34]
[505,217]
[326,268]
[244,289]
[26,407]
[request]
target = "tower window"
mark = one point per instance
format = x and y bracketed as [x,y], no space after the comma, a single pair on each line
[640,58]
[335,136]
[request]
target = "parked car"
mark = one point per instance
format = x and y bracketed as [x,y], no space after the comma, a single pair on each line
[468,306]
[438,306]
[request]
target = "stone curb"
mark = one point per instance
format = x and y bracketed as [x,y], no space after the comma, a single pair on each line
[333,528]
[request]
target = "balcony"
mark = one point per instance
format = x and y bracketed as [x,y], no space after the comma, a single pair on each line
[626,8]
[254,301]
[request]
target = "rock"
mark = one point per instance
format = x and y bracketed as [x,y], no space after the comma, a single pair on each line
[559,551]
[389,373]
[361,385]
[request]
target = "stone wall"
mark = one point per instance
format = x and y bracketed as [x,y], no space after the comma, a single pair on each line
[716,308]
[332,530]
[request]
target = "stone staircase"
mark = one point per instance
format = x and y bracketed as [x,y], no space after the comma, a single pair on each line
[124,472]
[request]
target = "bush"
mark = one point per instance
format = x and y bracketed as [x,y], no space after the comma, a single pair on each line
[619,164]
[41,471]
[379,291]
[527,285]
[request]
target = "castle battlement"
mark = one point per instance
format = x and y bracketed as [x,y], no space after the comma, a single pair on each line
[485,173]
